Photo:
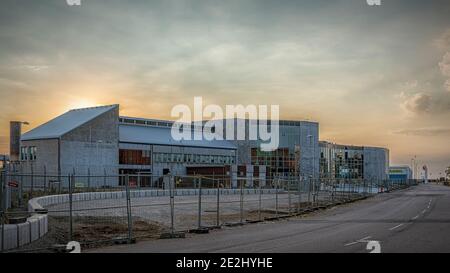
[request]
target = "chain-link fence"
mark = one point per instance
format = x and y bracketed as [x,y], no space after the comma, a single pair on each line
[89,210]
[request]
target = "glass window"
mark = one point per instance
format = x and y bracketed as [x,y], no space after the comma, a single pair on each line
[23,153]
[33,153]
[134,157]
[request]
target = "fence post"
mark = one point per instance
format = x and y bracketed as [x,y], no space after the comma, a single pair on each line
[299,195]
[259,201]
[32,183]
[89,178]
[59,182]
[218,201]
[2,219]
[172,205]
[130,220]
[2,207]
[289,196]
[20,187]
[241,203]
[104,178]
[45,179]
[2,191]
[348,188]
[70,178]
[276,197]
[331,182]
[200,203]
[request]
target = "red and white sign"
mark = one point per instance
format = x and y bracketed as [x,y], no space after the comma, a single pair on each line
[13,184]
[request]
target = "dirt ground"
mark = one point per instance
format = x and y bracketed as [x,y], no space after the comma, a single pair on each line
[98,231]
[91,232]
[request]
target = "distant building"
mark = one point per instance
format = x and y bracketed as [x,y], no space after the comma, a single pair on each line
[297,153]
[353,162]
[97,141]
[400,173]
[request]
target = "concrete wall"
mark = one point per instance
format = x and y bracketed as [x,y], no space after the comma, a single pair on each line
[376,163]
[46,157]
[18,235]
[309,149]
[46,161]
[93,148]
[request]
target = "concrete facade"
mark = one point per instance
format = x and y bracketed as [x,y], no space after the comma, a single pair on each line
[91,148]
[376,163]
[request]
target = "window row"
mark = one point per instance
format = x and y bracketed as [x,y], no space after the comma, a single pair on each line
[134,157]
[28,153]
[193,158]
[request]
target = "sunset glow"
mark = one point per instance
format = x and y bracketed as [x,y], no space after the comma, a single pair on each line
[378,79]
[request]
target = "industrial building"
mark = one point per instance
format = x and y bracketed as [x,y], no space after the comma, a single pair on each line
[353,162]
[97,141]
[400,173]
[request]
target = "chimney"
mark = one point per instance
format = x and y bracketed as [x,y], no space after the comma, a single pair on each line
[15,128]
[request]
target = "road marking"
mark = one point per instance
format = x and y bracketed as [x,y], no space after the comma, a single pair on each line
[363,240]
[423,211]
[415,217]
[397,226]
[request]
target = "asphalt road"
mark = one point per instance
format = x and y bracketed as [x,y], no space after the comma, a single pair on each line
[412,220]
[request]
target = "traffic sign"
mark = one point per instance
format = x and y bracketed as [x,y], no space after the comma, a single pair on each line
[13,184]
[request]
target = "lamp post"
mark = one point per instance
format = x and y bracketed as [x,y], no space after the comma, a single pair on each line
[414,167]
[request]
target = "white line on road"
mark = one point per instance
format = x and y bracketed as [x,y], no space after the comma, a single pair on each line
[415,217]
[358,241]
[423,211]
[397,226]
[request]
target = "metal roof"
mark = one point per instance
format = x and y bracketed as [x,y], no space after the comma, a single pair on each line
[163,136]
[66,122]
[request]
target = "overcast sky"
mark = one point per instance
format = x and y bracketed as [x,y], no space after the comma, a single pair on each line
[370,75]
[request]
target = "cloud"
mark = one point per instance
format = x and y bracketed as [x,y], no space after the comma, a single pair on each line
[444,65]
[418,103]
[437,97]
[443,42]
[424,132]
[434,103]
[36,68]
